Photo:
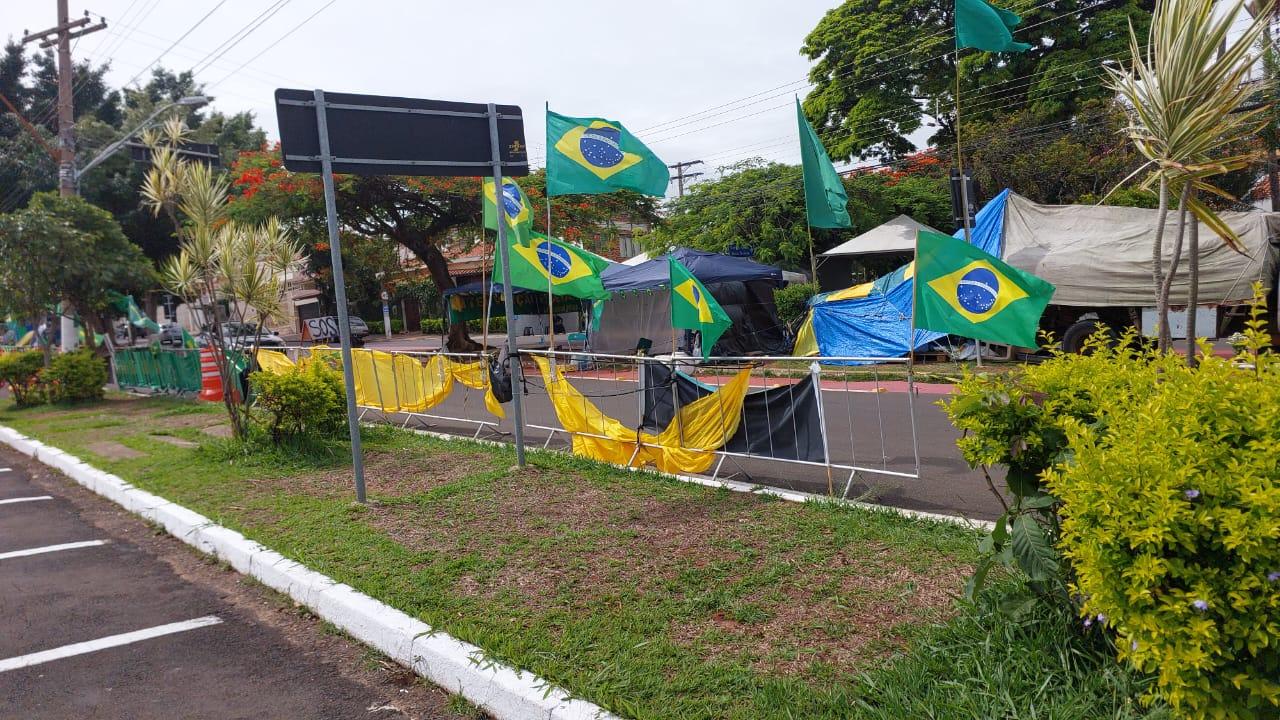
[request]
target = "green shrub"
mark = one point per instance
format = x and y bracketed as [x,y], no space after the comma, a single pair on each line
[1171,520]
[75,377]
[301,403]
[375,326]
[792,301]
[432,326]
[20,372]
[496,325]
[1158,485]
[397,326]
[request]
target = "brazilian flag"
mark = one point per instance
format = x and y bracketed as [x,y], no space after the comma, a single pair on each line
[961,290]
[544,262]
[693,308]
[515,210]
[590,156]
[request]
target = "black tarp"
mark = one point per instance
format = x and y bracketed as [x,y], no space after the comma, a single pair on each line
[780,422]
[756,328]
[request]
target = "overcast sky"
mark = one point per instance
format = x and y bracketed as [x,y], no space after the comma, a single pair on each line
[661,67]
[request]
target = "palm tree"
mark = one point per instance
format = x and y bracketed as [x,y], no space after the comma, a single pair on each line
[1184,95]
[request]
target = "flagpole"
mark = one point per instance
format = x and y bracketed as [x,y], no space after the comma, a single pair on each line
[804,191]
[551,304]
[487,307]
[964,190]
[911,355]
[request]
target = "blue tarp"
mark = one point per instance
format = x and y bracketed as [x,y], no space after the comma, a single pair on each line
[708,267]
[877,326]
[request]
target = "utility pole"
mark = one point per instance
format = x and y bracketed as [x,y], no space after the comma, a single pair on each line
[681,174]
[61,35]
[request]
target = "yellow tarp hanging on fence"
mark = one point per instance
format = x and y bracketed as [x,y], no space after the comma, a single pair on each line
[687,444]
[274,361]
[402,383]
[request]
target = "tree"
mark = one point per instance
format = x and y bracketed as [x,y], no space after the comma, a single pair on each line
[105,261]
[1185,92]
[428,216]
[36,246]
[223,270]
[1059,164]
[760,206]
[881,68]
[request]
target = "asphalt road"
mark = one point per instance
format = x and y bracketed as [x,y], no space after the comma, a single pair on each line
[75,621]
[867,429]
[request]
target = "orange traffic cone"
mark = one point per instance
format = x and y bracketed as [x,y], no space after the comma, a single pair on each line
[210,378]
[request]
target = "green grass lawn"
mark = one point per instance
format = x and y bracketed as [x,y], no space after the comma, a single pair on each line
[650,597]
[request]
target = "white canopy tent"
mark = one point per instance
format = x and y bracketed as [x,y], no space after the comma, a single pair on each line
[896,235]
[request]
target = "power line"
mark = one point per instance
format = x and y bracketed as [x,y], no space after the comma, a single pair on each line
[277,41]
[175,43]
[240,36]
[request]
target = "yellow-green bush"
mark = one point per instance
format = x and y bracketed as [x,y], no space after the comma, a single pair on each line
[1171,522]
[301,403]
[1159,485]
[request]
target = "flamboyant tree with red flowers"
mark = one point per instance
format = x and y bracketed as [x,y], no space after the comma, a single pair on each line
[430,216]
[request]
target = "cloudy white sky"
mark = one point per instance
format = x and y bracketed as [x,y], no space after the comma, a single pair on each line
[710,80]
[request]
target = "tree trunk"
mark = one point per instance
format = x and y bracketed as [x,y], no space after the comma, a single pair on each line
[1166,288]
[1157,268]
[1193,290]
[429,253]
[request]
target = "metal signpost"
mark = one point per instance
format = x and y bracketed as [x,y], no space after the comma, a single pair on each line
[378,135]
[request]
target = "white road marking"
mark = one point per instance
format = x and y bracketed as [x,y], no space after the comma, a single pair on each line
[51,548]
[33,498]
[110,641]
[6,469]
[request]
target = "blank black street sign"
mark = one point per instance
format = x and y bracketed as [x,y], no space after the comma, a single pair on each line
[379,135]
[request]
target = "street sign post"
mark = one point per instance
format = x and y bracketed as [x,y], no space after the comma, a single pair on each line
[378,135]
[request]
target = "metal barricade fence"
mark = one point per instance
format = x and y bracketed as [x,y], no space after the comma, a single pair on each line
[158,369]
[395,383]
[863,422]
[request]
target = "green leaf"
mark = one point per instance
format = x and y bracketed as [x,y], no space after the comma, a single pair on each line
[1039,502]
[1032,551]
[978,579]
[1022,483]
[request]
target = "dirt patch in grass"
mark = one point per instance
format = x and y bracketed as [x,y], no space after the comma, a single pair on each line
[582,546]
[218,431]
[114,450]
[175,441]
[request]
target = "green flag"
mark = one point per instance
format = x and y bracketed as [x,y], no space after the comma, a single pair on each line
[515,210]
[961,290]
[825,201]
[593,155]
[693,308]
[571,270]
[986,27]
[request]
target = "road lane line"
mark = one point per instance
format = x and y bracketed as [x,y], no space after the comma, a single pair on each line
[110,641]
[6,469]
[33,498]
[51,548]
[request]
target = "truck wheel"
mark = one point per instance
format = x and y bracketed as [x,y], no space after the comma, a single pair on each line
[1073,339]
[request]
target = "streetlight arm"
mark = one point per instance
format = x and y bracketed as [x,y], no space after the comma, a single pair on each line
[114,147]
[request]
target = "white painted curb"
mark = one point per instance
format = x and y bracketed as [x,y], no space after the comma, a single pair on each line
[456,666]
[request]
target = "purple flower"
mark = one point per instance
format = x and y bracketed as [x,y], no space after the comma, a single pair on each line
[1133,645]
[1088,622]
[1191,494]
[1102,618]
[1273,576]
[1200,605]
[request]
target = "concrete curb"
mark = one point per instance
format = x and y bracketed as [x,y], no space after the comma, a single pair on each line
[735,486]
[456,666]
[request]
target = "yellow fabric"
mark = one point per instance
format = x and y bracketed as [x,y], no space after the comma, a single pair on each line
[857,291]
[687,445]
[806,341]
[274,361]
[402,383]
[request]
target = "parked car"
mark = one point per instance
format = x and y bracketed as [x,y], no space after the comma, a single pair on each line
[171,334]
[244,335]
[325,330]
